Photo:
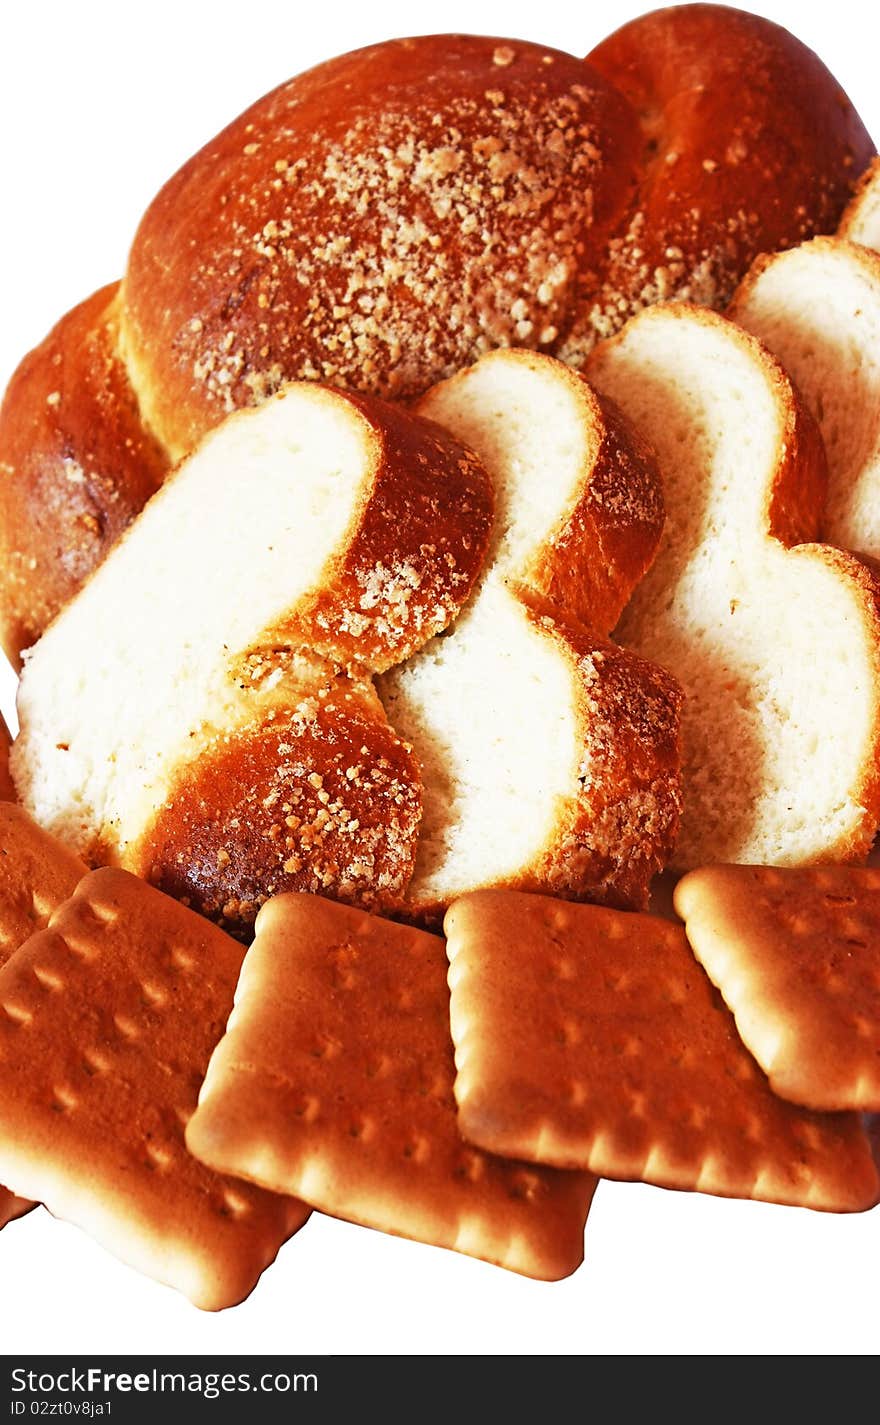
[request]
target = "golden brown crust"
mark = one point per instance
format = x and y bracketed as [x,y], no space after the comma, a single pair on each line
[400,572]
[817,306]
[589,1038]
[322,797]
[494,169]
[7,790]
[617,824]
[620,827]
[517,196]
[794,953]
[797,481]
[109,1019]
[617,827]
[795,514]
[415,555]
[76,465]
[590,562]
[790,505]
[334,1080]
[862,577]
[589,568]
[798,487]
[749,145]
[795,506]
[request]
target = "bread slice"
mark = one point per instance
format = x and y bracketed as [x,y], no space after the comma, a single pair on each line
[861,217]
[778,647]
[817,307]
[319,520]
[549,757]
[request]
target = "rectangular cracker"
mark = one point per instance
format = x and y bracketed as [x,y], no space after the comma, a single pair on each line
[37,873]
[795,952]
[334,1082]
[107,1022]
[591,1038]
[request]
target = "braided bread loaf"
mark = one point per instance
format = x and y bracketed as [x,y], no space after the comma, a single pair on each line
[202,712]
[385,218]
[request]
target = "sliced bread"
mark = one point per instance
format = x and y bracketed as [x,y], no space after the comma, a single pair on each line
[817,307]
[777,647]
[549,756]
[169,722]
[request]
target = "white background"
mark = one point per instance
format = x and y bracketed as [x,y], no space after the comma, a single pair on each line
[98,105]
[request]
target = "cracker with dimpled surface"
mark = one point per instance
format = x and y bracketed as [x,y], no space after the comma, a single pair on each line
[334,1082]
[37,873]
[795,953]
[591,1038]
[107,1021]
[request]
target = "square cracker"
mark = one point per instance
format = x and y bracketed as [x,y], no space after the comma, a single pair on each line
[334,1082]
[795,953]
[591,1038]
[107,1022]
[37,873]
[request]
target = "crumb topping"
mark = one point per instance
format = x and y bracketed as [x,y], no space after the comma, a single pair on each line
[402,246]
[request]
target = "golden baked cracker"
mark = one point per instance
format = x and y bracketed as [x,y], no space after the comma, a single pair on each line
[334,1082]
[591,1038]
[107,1022]
[795,953]
[37,873]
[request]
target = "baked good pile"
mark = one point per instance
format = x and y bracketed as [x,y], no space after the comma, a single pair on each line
[457,528]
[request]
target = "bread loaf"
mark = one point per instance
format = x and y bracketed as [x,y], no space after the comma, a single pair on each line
[549,757]
[817,307]
[172,720]
[749,146]
[381,220]
[776,640]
